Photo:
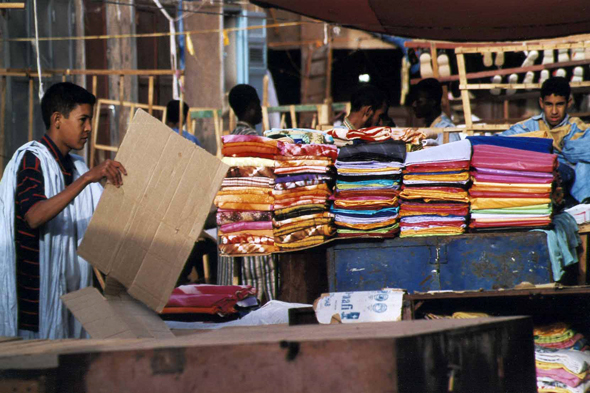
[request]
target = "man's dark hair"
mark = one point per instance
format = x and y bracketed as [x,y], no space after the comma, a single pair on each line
[556,85]
[64,97]
[431,88]
[241,97]
[367,95]
[173,113]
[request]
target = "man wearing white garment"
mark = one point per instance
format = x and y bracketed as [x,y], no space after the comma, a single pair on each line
[47,197]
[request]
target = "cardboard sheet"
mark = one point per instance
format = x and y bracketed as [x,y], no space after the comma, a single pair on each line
[143,232]
[362,306]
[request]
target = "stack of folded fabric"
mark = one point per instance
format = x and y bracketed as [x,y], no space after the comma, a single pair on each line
[367,189]
[561,359]
[245,202]
[299,136]
[343,136]
[209,299]
[434,195]
[302,190]
[512,186]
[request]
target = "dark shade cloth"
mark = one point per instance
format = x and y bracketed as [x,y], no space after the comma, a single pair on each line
[303,177]
[383,151]
[540,145]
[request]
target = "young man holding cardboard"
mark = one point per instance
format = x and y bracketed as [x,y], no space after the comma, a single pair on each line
[47,197]
[570,140]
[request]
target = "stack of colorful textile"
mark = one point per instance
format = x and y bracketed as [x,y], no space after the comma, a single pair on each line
[299,136]
[561,359]
[367,189]
[208,299]
[434,195]
[512,186]
[245,202]
[302,189]
[343,136]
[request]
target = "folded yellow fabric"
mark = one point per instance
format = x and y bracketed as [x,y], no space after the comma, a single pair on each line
[500,203]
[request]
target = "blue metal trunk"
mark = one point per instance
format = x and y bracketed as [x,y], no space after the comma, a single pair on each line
[466,262]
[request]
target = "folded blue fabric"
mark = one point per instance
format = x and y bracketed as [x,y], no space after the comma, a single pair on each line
[390,211]
[541,145]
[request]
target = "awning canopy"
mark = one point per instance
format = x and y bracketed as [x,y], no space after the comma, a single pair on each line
[452,20]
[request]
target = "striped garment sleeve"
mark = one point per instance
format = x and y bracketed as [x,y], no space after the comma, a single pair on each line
[30,187]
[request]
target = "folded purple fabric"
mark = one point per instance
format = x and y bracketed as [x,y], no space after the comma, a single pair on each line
[514,173]
[483,177]
[245,226]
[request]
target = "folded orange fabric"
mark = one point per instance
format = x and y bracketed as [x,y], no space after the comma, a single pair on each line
[245,206]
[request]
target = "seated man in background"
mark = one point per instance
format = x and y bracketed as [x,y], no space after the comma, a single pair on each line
[47,198]
[173,118]
[570,142]
[368,108]
[245,103]
[427,105]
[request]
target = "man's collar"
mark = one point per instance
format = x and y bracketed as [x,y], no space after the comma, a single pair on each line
[64,162]
[564,122]
[244,123]
[348,124]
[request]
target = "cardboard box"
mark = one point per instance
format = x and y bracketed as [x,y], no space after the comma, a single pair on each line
[143,232]
[357,307]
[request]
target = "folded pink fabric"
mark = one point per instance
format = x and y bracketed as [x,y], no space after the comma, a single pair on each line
[245,226]
[561,375]
[221,298]
[495,157]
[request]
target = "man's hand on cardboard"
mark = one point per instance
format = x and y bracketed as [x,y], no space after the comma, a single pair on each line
[112,170]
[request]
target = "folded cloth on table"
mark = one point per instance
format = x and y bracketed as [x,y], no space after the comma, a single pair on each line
[222,299]
[299,183]
[232,138]
[245,226]
[315,189]
[248,162]
[265,182]
[291,149]
[196,310]
[246,238]
[302,169]
[304,233]
[540,145]
[366,223]
[494,157]
[502,194]
[556,328]
[454,151]
[428,220]
[287,221]
[301,135]
[296,226]
[302,177]
[448,194]
[506,172]
[573,361]
[495,203]
[369,203]
[377,134]
[250,171]
[533,223]
[378,232]
[345,185]
[385,151]
[297,162]
[244,206]
[306,242]
[561,375]
[300,201]
[510,179]
[441,209]
[441,166]
[533,209]
[300,210]
[249,150]
[382,192]
[242,198]
[387,212]
[251,232]
[476,215]
[439,177]
[233,216]
[247,249]
[432,231]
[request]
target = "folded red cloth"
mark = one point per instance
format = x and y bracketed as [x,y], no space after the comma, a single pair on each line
[220,297]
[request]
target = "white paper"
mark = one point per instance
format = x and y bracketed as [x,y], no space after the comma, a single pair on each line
[358,307]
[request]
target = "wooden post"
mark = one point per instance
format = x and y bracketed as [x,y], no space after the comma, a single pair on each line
[293,116]
[329,57]
[232,119]
[94,134]
[217,133]
[2,120]
[181,105]
[265,119]
[131,113]
[121,89]
[94,84]
[464,93]
[506,112]
[151,94]
[31,104]
[435,70]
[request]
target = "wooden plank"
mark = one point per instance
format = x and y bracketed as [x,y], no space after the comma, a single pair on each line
[464,93]
[95,128]
[181,119]
[12,6]
[293,116]
[515,86]
[151,95]
[31,108]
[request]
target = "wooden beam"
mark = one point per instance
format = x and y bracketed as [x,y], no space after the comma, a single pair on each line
[464,93]
[12,6]
[181,107]
[150,94]
[31,106]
